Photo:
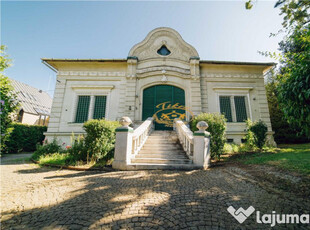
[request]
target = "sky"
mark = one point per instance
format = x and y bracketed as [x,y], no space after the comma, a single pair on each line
[219,30]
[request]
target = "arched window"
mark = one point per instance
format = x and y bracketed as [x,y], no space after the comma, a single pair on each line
[163,51]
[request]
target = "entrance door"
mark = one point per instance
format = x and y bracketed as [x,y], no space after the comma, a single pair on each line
[164,103]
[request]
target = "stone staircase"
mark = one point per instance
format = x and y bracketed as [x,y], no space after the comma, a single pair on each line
[162,150]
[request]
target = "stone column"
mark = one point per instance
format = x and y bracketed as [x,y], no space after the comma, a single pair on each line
[201,156]
[123,145]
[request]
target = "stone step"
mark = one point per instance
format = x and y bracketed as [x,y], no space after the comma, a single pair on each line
[161,147]
[161,138]
[163,156]
[156,132]
[161,151]
[161,161]
[142,166]
[163,142]
[165,153]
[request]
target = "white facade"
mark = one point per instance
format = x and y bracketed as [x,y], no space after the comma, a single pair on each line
[123,82]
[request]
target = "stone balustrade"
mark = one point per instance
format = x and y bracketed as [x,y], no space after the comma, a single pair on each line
[197,144]
[129,141]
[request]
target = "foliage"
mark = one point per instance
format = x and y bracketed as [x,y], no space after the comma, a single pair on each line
[78,150]
[249,137]
[100,139]
[5,61]
[293,80]
[217,126]
[55,159]
[231,148]
[8,102]
[296,13]
[97,146]
[248,5]
[47,148]
[256,133]
[24,138]
[284,132]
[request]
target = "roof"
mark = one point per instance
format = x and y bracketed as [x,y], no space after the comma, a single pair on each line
[32,100]
[85,60]
[125,60]
[237,63]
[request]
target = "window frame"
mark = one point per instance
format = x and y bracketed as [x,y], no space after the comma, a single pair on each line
[232,103]
[91,104]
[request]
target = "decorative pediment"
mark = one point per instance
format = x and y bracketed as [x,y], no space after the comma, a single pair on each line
[163,42]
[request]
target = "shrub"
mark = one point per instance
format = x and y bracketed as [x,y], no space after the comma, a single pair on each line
[100,139]
[231,148]
[256,133]
[217,126]
[24,138]
[45,149]
[78,150]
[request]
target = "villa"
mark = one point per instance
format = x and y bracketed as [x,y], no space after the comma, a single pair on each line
[162,70]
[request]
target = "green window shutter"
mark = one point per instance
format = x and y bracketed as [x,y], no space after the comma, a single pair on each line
[225,107]
[99,108]
[241,113]
[82,109]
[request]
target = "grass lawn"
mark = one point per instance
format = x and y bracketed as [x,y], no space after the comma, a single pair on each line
[54,159]
[64,159]
[294,157]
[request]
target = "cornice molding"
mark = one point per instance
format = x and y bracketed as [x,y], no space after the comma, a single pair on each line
[160,68]
[231,75]
[109,87]
[92,73]
[233,88]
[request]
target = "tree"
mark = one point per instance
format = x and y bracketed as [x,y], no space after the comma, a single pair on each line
[284,132]
[293,79]
[8,103]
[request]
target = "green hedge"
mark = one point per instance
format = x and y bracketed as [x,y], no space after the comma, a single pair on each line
[217,127]
[24,138]
[100,139]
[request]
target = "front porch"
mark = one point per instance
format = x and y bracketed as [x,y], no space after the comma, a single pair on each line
[144,148]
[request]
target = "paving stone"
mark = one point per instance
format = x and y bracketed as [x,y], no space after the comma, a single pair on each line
[48,198]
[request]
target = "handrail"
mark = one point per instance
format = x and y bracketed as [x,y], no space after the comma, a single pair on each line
[140,135]
[185,136]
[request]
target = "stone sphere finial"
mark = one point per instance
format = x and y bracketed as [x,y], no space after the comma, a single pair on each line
[202,125]
[125,121]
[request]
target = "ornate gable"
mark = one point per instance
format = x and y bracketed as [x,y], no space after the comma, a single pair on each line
[163,43]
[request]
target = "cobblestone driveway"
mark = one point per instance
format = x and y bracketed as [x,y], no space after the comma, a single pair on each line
[46,198]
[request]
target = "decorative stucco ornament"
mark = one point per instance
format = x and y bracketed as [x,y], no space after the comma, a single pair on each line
[202,125]
[125,121]
[164,78]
